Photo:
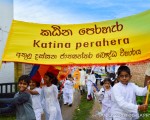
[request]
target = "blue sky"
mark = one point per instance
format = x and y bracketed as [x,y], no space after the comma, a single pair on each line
[76,11]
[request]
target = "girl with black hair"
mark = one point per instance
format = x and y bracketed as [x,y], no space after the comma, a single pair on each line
[105,98]
[49,98]
[68,90]
[124,106]
[21,103]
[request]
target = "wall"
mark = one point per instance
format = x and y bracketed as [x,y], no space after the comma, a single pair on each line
[138,73]
[6,16]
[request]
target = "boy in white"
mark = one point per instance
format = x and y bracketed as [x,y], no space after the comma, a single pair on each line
[68,91]
[124,93]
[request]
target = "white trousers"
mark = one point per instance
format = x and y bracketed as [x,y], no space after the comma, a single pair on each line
[38,114]
[68,98]
[89,90]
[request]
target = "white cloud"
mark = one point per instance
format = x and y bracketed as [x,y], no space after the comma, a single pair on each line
[74,11]
[35,12]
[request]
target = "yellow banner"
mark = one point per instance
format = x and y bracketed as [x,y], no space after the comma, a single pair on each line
[125,40]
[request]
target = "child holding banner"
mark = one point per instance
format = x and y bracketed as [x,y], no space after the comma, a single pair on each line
[124,93]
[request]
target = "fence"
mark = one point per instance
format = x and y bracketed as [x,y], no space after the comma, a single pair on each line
[7,90]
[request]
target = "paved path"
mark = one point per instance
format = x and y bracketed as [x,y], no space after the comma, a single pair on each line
[67,112]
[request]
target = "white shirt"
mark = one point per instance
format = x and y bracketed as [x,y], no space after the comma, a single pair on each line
[91,79]
[36,103]
[49,98]
[68,86]
[124,99]
[111,69]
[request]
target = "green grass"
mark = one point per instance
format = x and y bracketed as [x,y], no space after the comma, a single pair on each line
[83,111]
[84,108]
[143,115]
[7,117]
[104,75]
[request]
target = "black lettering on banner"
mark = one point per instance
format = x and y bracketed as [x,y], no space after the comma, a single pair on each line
[131,52]
[45,56]
[25,56]
[108,55]
[76,56]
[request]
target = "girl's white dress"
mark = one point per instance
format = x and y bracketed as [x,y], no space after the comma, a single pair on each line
[90,80]
[68,92]
[36,104]
[50,103]
[106,103]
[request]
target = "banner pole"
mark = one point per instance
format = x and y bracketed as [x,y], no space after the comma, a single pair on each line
[147,96]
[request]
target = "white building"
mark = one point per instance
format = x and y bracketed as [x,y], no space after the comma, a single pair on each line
[6,16]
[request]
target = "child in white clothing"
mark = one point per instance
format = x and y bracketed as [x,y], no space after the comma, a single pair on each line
[90,79]
[105,98]
[35,92]
[49,98]
[68,91]
[124,93]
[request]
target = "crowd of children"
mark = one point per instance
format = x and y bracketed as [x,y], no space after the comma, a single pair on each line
[118,99]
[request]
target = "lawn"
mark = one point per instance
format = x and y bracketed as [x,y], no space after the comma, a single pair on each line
[7,117]
[83,110]
[143,115]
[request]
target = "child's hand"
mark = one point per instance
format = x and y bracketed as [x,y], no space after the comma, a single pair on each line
[28,90]
[143,107]
[94,89]
[148,83]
